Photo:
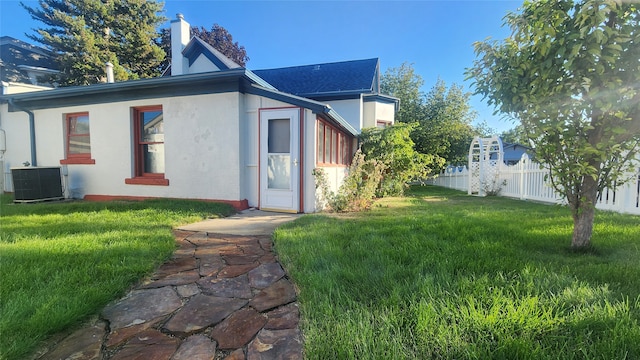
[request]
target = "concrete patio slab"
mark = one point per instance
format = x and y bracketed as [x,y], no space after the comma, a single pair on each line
[246,222]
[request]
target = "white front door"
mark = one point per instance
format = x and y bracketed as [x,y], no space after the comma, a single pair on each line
[279,160]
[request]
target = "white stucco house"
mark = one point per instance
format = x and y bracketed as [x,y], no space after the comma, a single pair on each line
[212,130]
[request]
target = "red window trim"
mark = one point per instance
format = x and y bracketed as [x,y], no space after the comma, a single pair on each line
[140,177]
[147,180]
[385,123]
[341,137]
[78,159]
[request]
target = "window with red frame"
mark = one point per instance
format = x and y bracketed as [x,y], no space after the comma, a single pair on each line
[381,124]
[334,146]
[148,131]
[78,139]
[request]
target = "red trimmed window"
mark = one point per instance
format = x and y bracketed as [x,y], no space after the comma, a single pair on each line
[78,139]
[148,133]
[381,124]
[334,146]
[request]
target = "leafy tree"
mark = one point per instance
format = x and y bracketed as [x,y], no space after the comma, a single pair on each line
[570,73]
[443,116]
[483,129]
[221,40]
[218,37]
[515,135]
[85,34]
[445,129]
[405,84]
[392,146]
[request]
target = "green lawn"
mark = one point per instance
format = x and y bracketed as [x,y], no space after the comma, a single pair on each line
[447,276]
[62,262]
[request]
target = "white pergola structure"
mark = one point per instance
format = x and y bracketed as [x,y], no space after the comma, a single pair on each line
[485,157]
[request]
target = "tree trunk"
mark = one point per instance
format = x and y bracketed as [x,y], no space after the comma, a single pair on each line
[584,214]
[582,228]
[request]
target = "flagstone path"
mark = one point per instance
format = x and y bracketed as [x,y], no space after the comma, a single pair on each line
[219,297]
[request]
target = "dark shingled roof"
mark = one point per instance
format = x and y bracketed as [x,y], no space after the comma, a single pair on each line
[347,77]
[14,52]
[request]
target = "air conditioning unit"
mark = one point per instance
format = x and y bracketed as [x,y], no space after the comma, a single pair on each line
[32,184]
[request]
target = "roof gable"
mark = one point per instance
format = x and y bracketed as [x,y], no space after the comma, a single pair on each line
[197,47]
[347,77]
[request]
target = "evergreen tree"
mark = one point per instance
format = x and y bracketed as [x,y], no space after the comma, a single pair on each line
[85,34]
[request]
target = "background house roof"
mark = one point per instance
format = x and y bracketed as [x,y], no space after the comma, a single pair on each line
[17,57]
[197,46]
[347,77]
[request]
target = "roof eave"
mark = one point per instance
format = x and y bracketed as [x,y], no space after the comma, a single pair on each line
[125,85]
[384,99]
[315,106]
[355,92]
[258,80]
[38,68]
[342,121]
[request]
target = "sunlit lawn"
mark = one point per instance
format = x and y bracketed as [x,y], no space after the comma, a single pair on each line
[62,262]
[444,275]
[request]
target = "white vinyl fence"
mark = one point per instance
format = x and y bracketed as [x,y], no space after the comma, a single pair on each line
[526,180]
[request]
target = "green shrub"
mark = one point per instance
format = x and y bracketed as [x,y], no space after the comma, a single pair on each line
[383,166]
[392,146]
[358,189]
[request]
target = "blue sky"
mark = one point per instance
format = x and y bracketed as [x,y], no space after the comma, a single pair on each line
[435,36]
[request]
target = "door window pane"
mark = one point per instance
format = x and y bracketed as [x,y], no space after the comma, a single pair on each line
[279,136]
[279,172]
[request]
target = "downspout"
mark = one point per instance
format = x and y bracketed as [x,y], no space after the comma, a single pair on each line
[32,131]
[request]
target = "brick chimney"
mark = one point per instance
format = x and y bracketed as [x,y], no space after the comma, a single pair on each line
[180,36]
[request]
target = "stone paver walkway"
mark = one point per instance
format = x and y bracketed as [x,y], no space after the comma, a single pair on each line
[219,297]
